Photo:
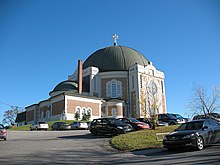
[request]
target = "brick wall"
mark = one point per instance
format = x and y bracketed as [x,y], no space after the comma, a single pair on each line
[30,115]
[58,107]
[72,104]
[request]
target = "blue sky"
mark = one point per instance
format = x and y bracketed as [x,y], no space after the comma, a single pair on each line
[41,41]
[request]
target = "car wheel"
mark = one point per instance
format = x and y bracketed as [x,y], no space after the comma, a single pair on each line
[114,132]
[199,143]
[4,139]
[93,132]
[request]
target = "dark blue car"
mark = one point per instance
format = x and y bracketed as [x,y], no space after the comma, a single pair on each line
[196,134]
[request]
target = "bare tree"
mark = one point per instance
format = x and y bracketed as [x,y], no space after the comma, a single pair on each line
[202,102]
[9,116]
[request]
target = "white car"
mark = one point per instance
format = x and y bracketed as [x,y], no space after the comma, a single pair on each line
[39,126]
[79,125]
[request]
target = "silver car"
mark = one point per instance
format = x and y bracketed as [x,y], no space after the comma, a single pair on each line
[3,132]
[79,125]
[41,125]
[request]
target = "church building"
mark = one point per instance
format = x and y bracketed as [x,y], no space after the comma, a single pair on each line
[115,81]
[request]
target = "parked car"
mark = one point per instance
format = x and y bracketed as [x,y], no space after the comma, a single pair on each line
[79,125]
[136,124]
[214,116]
[170,119]
[111,126]
[145,120]
[3,132]
[196,134]
[88,123]
[39,126]
[159,123]
[60,126]
[181,118]
[162,123]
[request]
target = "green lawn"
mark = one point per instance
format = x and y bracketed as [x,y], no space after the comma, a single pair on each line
[140,139]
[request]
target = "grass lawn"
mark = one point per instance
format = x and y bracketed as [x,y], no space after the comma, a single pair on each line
[140,139]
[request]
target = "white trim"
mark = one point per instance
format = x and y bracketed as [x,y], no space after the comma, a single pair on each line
[115,74]
[83,99]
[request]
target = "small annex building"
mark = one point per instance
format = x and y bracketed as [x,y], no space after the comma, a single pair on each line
[115,81]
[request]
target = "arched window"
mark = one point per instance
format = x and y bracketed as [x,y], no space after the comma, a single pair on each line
[84,110]
[109,89]
[114,89]
[114,112]
[48,114]
[89,111]
[81,112]
[119,86]
[42,115]
[78,113]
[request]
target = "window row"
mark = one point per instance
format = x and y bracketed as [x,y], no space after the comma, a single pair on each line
[82,112]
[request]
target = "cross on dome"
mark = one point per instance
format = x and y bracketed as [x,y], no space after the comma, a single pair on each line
[115,38]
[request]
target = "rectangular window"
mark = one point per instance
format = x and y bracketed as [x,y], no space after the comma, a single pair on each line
[162,86]
[132,81]
[152,72]
[94,83]
[141,84]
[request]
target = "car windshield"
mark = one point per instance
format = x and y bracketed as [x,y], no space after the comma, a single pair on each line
[171,116]
[1,126]
[133,120]
[178,116]
[114,121]
[190,126]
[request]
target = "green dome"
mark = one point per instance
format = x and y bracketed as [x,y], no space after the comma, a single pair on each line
[115,58]
[66,86]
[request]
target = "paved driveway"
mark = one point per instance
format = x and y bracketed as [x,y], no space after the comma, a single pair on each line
[79,147]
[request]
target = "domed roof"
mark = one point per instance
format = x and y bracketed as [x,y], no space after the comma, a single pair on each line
[67,85]
[115,58]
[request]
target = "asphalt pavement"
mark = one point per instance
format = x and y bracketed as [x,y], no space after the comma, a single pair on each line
[80,147]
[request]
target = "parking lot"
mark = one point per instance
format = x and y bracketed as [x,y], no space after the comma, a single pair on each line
[80,147]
